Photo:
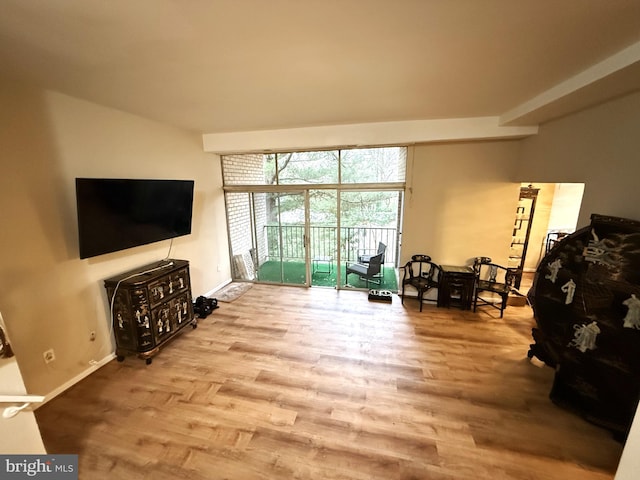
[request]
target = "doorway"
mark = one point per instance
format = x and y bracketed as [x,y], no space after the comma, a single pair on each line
[555,216]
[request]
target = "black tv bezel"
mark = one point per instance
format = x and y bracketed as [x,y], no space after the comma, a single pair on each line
[88,251]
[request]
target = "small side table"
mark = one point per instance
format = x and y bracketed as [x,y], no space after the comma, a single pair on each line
[320,261]
[456,287]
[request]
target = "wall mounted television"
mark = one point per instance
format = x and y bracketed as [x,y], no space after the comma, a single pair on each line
[115,214]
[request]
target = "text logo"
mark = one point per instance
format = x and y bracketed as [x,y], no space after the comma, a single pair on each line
[52,467]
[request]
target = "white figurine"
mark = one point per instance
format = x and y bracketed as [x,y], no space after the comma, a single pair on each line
[570,289]
[584,337]
[554,267]
[632,319]
[597,251]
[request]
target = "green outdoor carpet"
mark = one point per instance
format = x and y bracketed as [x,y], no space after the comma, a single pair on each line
[294,272]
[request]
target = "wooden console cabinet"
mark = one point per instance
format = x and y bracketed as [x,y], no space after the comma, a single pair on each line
[150,306]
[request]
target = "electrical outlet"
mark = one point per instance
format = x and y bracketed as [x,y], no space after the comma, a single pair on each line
[92,336]
[49,356]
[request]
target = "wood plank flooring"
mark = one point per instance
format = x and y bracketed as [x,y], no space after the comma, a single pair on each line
[293,383]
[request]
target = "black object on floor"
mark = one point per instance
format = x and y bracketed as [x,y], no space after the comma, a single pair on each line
[380,295]
[203,306]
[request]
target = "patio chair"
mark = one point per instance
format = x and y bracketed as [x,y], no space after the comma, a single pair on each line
[369,272]
[492,280]
[365,258]
[422,274]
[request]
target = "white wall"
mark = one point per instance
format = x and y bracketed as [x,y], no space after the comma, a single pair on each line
[460,201]
[565,210]
[49,297]
[599,147]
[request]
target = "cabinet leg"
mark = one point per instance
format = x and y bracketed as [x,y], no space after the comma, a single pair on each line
[120,358]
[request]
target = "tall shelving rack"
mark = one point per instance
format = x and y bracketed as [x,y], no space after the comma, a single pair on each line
[522,229]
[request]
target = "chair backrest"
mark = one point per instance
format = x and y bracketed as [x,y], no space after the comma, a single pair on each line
[485,269]
[382,248]
[375,264]
[421,266]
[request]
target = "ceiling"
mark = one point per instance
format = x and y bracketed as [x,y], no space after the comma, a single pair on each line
[244,65]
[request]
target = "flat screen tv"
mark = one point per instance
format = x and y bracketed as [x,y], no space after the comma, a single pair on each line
[116,214]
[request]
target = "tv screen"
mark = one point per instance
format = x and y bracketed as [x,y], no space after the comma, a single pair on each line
[115,214]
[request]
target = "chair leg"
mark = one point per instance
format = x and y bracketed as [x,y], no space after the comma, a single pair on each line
[503,305]
[420,294]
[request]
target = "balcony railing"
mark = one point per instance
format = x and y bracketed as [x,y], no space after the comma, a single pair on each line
[287,242]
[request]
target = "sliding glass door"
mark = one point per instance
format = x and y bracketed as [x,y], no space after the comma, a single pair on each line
[370,224]
[268,236]
[280,220]
[323,228]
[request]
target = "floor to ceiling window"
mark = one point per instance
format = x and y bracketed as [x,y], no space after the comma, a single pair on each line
[301,218]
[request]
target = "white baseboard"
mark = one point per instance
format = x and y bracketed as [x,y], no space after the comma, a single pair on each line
[219,287]
[65,386]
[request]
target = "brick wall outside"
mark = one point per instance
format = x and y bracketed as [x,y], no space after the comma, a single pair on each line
[245,170]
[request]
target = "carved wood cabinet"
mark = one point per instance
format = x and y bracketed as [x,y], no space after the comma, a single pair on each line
[149,306]
[456,287]
[586,302]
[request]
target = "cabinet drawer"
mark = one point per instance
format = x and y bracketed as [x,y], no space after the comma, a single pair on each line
[169,285]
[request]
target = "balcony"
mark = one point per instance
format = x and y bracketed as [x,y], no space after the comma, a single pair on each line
[283,258]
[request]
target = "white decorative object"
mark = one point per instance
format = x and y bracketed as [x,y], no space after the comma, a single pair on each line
[570,289]
[554,267]
[584,337]
[632,319]
[597,251]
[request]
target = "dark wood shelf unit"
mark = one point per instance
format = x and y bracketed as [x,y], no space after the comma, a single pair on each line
[522,230]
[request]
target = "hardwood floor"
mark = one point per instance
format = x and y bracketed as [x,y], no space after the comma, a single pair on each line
[292,383]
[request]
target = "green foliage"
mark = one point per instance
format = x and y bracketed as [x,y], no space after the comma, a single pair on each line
[358,208]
